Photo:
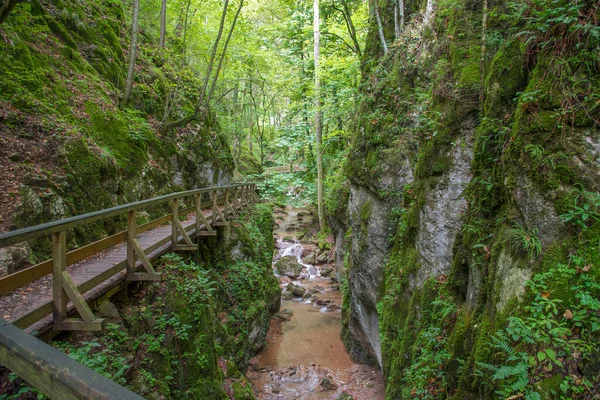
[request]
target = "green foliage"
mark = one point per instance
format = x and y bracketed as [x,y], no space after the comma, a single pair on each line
[526,241]
[585,210]
[104,359]
[23,390]
[556,328]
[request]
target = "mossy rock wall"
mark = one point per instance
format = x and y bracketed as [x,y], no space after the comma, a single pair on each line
[474,160]
[63,68]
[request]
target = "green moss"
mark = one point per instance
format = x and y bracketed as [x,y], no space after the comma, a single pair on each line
[242,391]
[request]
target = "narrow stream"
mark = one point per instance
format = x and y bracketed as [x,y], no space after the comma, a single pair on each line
[304,357]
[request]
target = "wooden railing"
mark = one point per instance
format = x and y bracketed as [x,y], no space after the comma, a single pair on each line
[53,373]
[234,198]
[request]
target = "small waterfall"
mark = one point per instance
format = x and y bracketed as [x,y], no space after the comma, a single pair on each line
[287,249]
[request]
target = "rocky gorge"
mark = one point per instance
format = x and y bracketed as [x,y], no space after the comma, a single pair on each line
[463,180]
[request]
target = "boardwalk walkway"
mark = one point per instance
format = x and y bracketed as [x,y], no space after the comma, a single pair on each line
[20,306]
[102,267]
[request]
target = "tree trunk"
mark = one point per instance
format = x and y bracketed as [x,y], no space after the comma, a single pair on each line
[212,57]
[429,12]
[5,7]
[132,53]
[222,57]
[318,124]
[380,28]
[398,17]
[163,24]
[483,50]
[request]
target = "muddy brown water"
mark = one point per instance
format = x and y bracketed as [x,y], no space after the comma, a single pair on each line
[304,357]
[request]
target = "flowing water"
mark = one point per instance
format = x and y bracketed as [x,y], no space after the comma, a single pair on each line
[304,357]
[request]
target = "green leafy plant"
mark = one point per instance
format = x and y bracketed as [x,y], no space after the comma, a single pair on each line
[24,390]
[527,241]
[536,346]
[585,210]
[105,360]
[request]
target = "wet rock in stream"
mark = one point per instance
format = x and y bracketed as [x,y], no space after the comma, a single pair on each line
[288,266]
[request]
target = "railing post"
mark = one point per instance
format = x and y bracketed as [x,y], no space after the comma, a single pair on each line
[175,216]
[215,207]
[131,234]
[59,264]
[237,205]
[228,207]
[200,219]
[63,289]
[198,212]
[243,196]
[133,248]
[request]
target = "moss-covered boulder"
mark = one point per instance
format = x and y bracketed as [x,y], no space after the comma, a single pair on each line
[288,266]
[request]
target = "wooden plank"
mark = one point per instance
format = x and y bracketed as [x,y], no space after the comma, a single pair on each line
[142,277]
[54,373]
[143,257]
[186,238]
[185,247]
[206,233]
[80,305]
[59,297]
[76,324]
[22,235]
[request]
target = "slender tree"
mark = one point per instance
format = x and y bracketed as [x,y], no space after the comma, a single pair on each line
[212,57]
[380,28]
[163,23]
[398,17]
[483,50]
[222,57]
[318,124]
[132,53]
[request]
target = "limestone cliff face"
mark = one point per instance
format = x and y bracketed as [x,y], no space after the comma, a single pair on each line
[465,155]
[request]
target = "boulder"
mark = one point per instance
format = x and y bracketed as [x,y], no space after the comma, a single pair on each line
[14,258]
[326,271]
[323,258]
[285,314]
[309,259]
[328,384]
[297,291]
[288,266]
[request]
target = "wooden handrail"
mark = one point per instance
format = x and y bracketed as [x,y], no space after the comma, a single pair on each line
[24,234]
[54,373]
[62,282]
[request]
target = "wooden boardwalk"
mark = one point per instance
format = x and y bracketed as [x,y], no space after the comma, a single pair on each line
[45,297]
[27,303]
[60,294]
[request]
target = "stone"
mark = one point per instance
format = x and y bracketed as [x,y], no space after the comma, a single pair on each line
[14,258]
[309,259]
[322,258]
[326,271]
[287,295]
[285,314]
[297,291]
[288,266]
[440,219]
[328,384]
[109,310]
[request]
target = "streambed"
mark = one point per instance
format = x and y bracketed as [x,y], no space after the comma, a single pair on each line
[304,357]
